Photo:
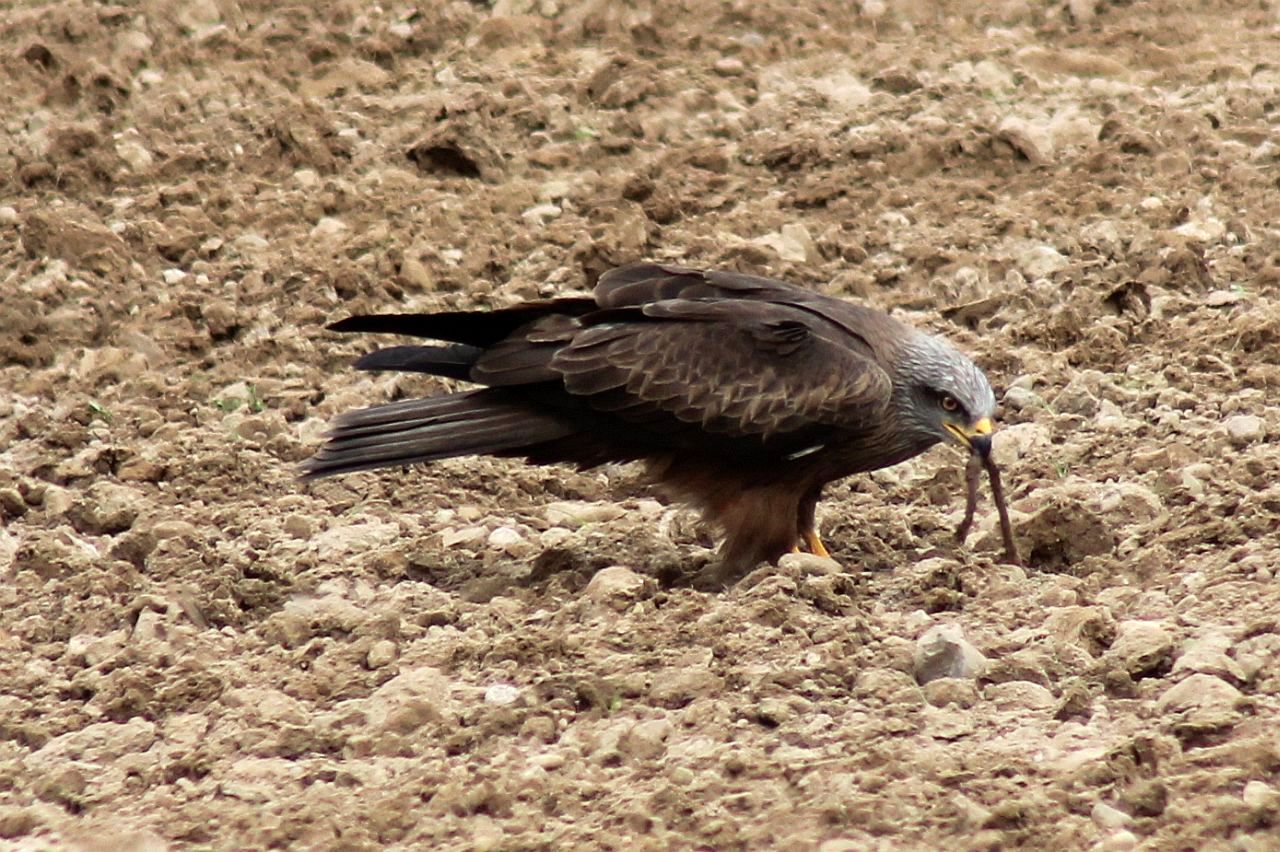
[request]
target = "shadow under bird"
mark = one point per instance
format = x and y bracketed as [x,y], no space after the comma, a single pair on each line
[742,395]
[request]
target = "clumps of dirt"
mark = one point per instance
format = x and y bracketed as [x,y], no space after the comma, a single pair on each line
[478,654]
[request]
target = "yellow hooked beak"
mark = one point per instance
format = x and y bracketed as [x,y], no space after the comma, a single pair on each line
[976,436]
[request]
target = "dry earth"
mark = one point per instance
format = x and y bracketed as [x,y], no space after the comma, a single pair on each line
[197,651]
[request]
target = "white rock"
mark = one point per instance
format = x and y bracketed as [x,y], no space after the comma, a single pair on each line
[541,214]
[808,564]
[1260,795]
[99,743]
[8,550]
[874,9]
[501,695]
[1245,428]
[1110,418]
[266,704]
[8,216]
[1137,503]
[173,276]
[943,651]
[504,537]
[1109,818]
[1223,298]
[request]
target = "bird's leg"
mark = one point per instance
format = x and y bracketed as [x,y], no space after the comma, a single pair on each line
[816,547]
[806,523]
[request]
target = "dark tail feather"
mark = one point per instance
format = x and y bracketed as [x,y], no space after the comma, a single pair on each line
[419,430]
[452,362]
[477,328]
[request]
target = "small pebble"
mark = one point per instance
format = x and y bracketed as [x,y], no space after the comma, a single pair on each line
[504,537]
[1259,795]
[729,66]
[1110,818]
[550,761]
[501,695]
[1245,429]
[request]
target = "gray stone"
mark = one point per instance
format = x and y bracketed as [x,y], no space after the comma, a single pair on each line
[943,651]
[1245,429]
[807,564]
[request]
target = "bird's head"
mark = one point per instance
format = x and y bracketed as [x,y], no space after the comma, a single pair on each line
[945,396]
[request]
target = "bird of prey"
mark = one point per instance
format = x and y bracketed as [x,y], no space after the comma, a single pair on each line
[742,395]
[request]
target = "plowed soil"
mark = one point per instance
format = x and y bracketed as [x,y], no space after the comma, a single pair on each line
[198,651]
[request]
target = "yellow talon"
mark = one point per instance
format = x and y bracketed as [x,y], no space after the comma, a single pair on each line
[816,547]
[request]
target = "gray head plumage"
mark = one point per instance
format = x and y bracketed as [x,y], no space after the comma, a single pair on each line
[928,371]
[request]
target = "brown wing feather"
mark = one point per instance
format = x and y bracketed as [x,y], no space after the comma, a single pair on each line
[643,283]
[740,368]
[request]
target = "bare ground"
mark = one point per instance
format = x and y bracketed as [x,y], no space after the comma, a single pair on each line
[198,651]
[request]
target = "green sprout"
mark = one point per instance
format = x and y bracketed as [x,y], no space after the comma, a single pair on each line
[98,411]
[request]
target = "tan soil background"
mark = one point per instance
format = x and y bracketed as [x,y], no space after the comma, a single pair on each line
[197,651]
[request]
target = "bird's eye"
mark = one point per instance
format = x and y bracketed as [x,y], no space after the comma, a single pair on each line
[949,403]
